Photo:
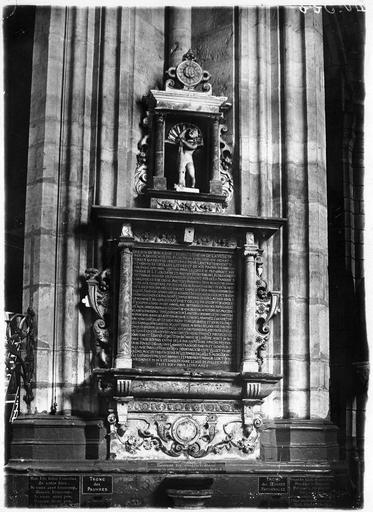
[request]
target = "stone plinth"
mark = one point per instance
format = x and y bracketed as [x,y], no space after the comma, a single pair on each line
[41,437]
[236,484]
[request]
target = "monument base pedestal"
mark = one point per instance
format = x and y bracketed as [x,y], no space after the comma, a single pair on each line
[61,461]
[146,484]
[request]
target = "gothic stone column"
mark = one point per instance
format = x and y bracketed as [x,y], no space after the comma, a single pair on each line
[306,329]
[179,34]
[57,198]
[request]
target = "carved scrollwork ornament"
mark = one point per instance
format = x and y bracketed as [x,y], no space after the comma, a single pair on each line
[226,160]
[267,306]
[98,299]
[186,436]
[142,169]
[105,385]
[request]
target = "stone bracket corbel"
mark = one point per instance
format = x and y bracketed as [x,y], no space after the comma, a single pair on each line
[122,396]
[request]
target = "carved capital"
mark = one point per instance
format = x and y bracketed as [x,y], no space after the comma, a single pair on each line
[159,118]
[250,248]
[126,232]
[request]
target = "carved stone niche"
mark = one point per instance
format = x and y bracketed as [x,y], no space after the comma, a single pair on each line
[188,371]
[184,162]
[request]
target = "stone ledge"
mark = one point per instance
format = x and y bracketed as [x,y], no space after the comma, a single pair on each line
[187,467]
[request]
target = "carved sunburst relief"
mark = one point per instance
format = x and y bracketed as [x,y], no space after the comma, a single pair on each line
[174,133]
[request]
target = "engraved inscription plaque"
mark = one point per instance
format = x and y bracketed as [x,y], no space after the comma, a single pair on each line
[313,491]
[53,491]
[97,484]
[184,308]
[272,485]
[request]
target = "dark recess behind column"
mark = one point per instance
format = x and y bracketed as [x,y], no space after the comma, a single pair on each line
[18,34]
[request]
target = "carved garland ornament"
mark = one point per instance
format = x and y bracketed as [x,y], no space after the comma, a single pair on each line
[98,299]
[185,436]
[163,406]
[191,206]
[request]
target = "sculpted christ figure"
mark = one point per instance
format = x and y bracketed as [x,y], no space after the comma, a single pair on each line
[188,142]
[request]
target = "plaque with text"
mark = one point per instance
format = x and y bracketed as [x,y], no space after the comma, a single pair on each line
[184,308]
[53,491]
[97,484]
[273,485]
[312,491]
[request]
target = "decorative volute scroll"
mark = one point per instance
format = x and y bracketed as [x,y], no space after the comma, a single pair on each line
[184,163]
[267,306]
[98,299]
[226,160]
[141,173]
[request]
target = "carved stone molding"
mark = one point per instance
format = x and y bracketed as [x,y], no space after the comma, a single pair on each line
[215,241]
[154,237]
[203,240]
[182,406]
[98,299]
[267,306]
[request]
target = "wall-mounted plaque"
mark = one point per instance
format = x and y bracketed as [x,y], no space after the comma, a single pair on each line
[272,485]
[97,484]
[313,491]
[184,308]
[53,491]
